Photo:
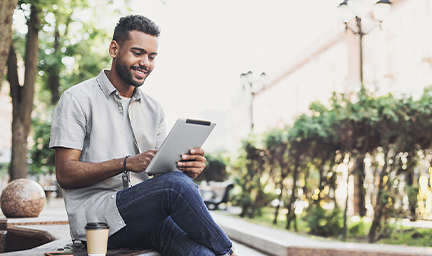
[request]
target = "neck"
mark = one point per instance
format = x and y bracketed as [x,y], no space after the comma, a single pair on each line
[125,90]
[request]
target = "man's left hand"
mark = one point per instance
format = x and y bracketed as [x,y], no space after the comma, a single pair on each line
[192,164]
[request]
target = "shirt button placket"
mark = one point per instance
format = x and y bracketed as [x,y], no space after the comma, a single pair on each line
[120,107]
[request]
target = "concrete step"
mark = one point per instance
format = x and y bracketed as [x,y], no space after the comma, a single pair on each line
[278,242]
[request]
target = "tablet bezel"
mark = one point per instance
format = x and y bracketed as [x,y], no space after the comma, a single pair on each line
[187,133]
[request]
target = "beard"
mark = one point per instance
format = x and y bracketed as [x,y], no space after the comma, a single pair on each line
[126,74]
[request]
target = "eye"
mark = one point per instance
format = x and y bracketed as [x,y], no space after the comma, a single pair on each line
[152,57]
[136,53]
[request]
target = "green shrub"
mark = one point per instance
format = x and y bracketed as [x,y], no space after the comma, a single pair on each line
[322,222]
[357,229]
[42,157]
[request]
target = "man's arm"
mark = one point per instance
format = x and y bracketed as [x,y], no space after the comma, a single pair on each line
[72,173]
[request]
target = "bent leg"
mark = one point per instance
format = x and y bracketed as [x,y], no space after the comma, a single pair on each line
[171,240]
[146,206]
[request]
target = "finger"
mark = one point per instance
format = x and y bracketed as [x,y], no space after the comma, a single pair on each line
[197,151]
[151,152]
[191,164]
[194,157]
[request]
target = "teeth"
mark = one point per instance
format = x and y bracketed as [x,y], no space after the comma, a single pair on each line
[140,71]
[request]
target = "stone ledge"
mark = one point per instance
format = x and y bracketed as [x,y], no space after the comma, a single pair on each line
[65,244]
[257,241]
[303,251]
[6,223]
[22,238]
[50,238]
[303,246]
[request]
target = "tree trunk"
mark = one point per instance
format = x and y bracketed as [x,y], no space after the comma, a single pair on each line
[345,226]
[412,200]
[379,207]
[332,182]
[22,97]
[322,179]
[54,70]
[7,8]
[279,201]
[304,188]
[359,190]
[291,207]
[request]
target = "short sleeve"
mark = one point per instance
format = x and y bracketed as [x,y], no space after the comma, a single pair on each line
[68,128]
[161,133]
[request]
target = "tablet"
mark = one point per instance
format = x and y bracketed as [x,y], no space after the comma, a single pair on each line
[185,135]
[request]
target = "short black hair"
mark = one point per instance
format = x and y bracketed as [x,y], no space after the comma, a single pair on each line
[134,22]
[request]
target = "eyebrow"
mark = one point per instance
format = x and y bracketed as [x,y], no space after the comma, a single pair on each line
[142,50]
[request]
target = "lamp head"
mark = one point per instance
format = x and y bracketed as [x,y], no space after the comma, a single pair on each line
[381,10]
[346,14]
[263,79]
[246,79]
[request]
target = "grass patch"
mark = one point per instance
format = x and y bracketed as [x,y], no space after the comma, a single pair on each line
[409,236]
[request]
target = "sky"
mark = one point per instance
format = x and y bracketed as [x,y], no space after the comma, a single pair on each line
[206,44]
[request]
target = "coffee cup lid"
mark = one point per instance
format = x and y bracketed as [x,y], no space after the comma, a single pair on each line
[96,225]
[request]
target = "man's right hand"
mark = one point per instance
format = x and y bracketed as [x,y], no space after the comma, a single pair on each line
[140,162]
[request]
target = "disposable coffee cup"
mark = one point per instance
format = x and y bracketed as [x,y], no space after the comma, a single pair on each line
[97,238]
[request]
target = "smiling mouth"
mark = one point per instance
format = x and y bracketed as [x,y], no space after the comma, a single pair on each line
[140,72]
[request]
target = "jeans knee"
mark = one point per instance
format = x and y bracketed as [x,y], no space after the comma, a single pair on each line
[178,180]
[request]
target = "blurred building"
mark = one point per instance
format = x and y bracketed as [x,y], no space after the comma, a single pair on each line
[238,119]
[217,139]
[396,58]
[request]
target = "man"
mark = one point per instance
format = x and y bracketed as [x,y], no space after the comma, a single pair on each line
[106,127]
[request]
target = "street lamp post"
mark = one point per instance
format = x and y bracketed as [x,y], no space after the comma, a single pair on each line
[247,79]
[350,9]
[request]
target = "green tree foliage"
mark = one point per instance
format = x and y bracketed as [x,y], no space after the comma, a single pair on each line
[300,161]
[43,158]
[251,174]
[71,47]
[215,169]
[279,162]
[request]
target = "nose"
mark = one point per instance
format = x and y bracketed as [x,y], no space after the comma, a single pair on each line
[145,61]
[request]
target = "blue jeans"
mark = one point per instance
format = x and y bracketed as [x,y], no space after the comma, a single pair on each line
[167,213]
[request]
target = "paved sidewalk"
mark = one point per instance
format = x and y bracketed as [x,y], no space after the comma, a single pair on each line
[272,241]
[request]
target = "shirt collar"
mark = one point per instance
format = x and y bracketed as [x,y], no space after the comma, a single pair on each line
[108,88]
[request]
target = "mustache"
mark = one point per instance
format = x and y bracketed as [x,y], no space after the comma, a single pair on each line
[140,68]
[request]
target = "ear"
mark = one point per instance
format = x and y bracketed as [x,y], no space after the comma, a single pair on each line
[114,48]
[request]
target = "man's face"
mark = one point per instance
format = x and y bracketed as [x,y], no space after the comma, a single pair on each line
[136,58]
